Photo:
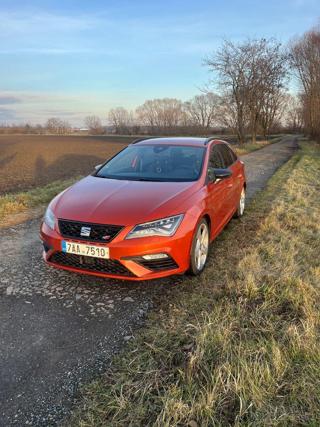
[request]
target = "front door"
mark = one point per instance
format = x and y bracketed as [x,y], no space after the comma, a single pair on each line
[218,194]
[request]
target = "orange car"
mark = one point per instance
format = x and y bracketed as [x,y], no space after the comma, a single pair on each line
[148,212]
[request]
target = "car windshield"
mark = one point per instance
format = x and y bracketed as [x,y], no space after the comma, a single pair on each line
[155,163]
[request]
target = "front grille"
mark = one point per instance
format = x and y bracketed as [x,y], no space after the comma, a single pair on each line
[158,264]
[99,265]
[98,232]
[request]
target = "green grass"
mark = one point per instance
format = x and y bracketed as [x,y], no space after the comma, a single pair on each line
[19,202]
[241,344]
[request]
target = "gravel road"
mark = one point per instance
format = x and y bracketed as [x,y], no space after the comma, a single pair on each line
[59,330]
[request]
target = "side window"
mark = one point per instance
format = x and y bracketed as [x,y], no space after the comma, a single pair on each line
[226,155]
[215,160]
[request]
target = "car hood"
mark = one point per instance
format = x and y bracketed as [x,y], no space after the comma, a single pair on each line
[121,202]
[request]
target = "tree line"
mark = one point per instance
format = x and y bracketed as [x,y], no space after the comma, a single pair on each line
[304,57]
[247,95]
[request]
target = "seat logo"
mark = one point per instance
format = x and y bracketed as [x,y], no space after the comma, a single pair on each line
[85,231]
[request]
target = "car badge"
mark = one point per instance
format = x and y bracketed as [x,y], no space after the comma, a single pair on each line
[85,231]
[106,237]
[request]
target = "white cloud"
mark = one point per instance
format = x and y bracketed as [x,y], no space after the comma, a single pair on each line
[43,33]
[37,107]
[38,22]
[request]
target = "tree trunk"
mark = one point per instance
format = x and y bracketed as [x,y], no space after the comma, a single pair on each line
[241,135]
[240,126]
[254,129]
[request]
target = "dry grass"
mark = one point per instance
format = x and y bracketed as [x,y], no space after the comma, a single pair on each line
[11,204]
[239,345]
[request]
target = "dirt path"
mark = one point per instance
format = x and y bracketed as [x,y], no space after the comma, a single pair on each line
[58,330]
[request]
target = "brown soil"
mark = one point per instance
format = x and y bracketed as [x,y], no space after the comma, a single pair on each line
[27,161]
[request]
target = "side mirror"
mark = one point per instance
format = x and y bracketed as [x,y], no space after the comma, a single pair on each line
[222,173]
[97,167]
[211,177]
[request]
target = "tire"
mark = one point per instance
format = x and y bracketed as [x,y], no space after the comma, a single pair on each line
[241,205]
[199,254]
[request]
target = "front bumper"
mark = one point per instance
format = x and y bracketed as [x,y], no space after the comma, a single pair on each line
[126,260]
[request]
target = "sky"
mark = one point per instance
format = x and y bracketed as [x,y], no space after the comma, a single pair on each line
[75,58]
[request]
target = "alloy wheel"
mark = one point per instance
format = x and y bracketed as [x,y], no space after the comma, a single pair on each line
[201,246]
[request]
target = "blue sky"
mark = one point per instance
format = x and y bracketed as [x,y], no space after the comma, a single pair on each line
[73,58]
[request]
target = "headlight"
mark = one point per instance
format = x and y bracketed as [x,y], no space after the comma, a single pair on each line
[162,227]
[49,218]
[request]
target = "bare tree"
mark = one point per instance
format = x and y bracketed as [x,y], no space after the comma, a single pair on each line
[58,126]
[293,113]
[228,115]
[160,113]
[271,109]
[230,62]
[250,74]
[52,125]
[169,112]
[121,119]
[305,59]
[266,90]
[93,123]
[147,115]
[202,110]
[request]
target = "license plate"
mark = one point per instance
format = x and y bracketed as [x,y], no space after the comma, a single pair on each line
[86,250]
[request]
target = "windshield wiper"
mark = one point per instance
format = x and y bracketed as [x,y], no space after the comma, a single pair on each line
[146,179]
[129,178]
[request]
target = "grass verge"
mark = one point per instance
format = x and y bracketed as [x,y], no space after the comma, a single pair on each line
[16,203]
[249,147]
[241,344]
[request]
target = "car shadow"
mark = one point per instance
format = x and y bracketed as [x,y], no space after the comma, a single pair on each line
[66,166]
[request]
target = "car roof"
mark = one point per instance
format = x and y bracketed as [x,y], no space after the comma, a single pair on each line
[186,141]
